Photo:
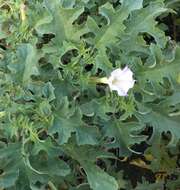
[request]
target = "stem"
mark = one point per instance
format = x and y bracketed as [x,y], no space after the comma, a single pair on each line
[22,10]
[52,186]
[103,80]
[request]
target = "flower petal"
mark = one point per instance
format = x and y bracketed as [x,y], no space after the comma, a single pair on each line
[121,81]
[116,73]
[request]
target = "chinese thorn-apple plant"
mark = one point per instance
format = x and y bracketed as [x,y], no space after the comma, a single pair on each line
[59,129]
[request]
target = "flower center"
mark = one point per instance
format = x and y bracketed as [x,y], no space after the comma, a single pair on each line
[115,81]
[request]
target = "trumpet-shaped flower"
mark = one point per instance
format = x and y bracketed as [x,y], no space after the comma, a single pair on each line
[121,81]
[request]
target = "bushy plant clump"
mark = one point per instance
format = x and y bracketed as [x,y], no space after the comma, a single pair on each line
[61,126]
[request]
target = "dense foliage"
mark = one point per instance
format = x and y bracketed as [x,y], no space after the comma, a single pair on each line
[59,129]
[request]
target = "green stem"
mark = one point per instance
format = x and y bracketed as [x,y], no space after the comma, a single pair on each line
[172,2]
[103,80]
[52,186]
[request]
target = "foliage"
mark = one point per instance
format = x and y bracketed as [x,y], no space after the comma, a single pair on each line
[61,130]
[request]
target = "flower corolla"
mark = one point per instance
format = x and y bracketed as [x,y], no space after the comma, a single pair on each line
[121,80]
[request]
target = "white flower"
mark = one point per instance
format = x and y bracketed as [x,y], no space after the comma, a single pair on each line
[121,81]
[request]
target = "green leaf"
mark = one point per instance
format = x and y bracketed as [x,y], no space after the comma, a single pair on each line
[160,70]
[68,121]
[162,160]
[158,117]
[62,23]
[86,155]
[109,34]
[48,91]
[98,179]
[9,160]
[9,173]
[51,166]
[97,108]
[16,166]
[68,3]
[124,135]
[3,34]
[26,64]
[143,21]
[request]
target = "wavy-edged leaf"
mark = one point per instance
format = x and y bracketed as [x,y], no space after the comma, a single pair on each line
[86,156]
[161,70]
[143,21]
[158,118]
[124,135]
[109,34]
[62,23]
[68,121]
